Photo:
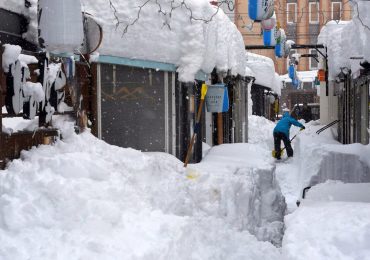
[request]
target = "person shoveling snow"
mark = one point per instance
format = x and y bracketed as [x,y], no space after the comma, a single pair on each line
[281,132]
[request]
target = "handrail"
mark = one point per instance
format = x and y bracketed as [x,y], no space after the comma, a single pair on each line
[327,126]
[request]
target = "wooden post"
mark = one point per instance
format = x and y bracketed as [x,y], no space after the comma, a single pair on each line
[1,86]
[2,81]
[220,129]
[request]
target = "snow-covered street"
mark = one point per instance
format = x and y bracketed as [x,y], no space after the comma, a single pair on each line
[152,130]
[84,199]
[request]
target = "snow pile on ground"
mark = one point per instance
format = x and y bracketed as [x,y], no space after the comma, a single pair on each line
[84,199]
[339,191]
[263,70]
[207,41]
[346,40]
[260,131]
[249,196]
[325,158]
[318,158]
[332,223]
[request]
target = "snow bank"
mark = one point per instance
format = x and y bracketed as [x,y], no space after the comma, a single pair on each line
[328,230]
[339,191]
[327,159]
[247,194]
[263,69]
[84,199]
[260,131]
[332,223]
[192,45]
[319,158]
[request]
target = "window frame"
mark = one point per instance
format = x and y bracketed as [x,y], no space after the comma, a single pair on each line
[332,10]
[310,60]
[288,12]
[310,13]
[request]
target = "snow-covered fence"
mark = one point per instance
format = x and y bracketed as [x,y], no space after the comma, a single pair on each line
[30,86]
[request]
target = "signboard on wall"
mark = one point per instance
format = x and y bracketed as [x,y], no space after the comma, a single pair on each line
[217,98]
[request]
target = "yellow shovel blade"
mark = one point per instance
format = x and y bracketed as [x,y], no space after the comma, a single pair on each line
[203,91]
[274,153]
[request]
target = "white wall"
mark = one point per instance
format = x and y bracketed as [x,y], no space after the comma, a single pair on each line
[328,104]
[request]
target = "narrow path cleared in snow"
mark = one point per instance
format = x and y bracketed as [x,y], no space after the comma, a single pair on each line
[287,174]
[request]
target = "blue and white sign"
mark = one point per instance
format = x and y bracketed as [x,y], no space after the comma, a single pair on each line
[217,98]
[259,10]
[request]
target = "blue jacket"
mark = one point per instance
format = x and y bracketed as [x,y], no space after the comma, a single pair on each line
[283,126]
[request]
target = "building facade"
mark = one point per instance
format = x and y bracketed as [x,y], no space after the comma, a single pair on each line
[302,21]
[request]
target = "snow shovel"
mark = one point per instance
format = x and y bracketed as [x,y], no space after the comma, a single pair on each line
[274,153]
[197,126]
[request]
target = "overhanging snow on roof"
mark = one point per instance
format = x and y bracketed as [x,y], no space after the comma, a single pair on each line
[195,37]
[348,42]
[263,70]
[208,41]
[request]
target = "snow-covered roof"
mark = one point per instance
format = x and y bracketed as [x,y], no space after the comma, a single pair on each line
[347,42]
[192,45]
[209,40]
[263,70]
[304,76]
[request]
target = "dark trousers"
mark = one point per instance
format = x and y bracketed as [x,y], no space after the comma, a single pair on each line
[278,136]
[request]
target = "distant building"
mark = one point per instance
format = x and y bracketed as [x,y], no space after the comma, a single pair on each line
[302,22]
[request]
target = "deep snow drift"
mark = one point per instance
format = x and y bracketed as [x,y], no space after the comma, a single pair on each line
[332,222]
[84,199]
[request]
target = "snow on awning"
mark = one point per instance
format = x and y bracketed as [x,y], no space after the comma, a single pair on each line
[263,70]
[208,41]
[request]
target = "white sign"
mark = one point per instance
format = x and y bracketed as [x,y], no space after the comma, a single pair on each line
[217,98]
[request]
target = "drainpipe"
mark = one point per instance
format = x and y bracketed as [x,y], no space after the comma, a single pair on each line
[1,106]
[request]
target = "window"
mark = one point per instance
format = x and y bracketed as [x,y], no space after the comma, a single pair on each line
[314,12]
[336,10]
[313,62]
[291,16]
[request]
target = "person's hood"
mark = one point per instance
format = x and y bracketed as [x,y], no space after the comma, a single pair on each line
[285,114]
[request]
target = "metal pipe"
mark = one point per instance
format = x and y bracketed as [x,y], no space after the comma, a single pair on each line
[294,46]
